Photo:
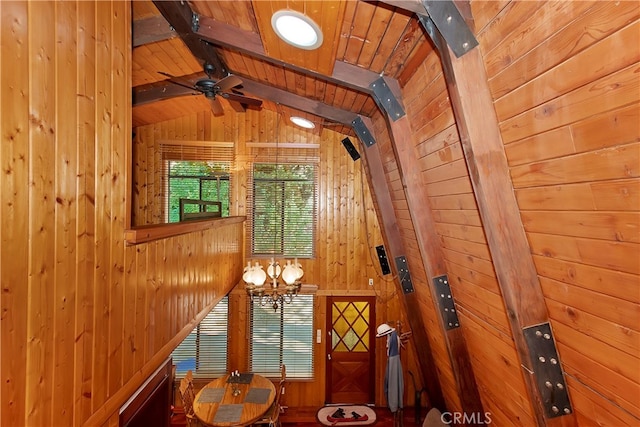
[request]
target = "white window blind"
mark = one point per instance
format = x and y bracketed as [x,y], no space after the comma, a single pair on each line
[282,201]
[283,336]
[204,351]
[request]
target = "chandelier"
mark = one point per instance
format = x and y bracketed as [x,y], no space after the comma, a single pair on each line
[283,285]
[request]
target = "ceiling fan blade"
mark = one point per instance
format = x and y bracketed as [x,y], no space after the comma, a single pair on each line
[172,79]
[228,82]
[216,107]
[242,99]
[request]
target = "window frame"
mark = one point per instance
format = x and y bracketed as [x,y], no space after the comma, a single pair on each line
[217,177]
[193,151]
[279,248]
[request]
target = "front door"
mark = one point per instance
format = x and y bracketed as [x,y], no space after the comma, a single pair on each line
[351,350]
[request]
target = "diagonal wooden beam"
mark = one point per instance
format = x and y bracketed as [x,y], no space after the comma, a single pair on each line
[428,239]
[163,90]
[185,22]
[301,103]
[395,248]
[152,29]
[493,189]
[249,43]
[221,34]
[417,6]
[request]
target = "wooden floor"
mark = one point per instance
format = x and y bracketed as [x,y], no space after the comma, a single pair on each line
[306,417]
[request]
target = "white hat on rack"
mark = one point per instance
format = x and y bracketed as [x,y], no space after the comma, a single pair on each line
[383,330]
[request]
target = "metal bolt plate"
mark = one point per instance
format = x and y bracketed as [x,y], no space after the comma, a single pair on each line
[386,100]
[405,276]
[446,304]
[451,24]
[547,370]
[363,133]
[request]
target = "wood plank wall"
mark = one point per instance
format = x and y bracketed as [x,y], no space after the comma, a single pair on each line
[568,105]
[85,319]
[564,76]
[348,230]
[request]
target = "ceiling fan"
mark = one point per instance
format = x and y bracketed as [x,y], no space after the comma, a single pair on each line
[212,89]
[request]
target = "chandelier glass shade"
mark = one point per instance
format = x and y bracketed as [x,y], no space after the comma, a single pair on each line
[275,286]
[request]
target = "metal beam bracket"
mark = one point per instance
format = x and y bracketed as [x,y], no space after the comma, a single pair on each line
[404,274]
[448,20]
[547,370]
[363,133]
[386,100]
[446,303]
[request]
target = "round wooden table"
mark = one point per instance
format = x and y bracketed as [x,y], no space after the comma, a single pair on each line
[216,404]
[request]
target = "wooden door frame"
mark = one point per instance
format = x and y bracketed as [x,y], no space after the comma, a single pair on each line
[372,336]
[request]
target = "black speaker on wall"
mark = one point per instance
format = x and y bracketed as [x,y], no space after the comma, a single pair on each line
[382,257]
[351,149]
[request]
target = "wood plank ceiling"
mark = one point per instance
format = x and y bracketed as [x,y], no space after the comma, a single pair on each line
[328,85]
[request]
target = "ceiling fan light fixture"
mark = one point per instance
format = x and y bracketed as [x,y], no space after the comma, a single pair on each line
[302,122]
[297,29]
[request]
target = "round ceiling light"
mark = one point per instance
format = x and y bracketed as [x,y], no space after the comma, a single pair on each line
[303,123]
[297,29]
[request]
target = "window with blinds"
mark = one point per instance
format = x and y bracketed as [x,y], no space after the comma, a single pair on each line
[204,351]
[284,210]
[282,200]
[196,170]
[283,336]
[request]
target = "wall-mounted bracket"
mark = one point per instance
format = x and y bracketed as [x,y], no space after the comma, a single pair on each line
[404,274]
[547,370]
[386,100]
[445,302]
[363,133]
[448,20]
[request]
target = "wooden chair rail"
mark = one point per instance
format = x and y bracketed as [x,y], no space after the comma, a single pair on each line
[149,233]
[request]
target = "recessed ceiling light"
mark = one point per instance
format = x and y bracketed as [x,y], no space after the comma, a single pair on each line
[302,122]
[297,29]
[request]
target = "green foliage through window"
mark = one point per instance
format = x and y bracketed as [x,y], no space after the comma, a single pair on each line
[200,180]
[284,209]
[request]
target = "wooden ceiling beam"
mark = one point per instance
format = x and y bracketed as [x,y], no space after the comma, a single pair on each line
[395,248]
[145,94]
[417,6]
[249,43]
[150,30]
[225,35]
[432,256]
[301,103]
[489,172]
[185,22]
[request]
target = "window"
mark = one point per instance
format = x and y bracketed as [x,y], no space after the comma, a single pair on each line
[195,170]
[283,217]
[282,336]
[204,351]
[200,181]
